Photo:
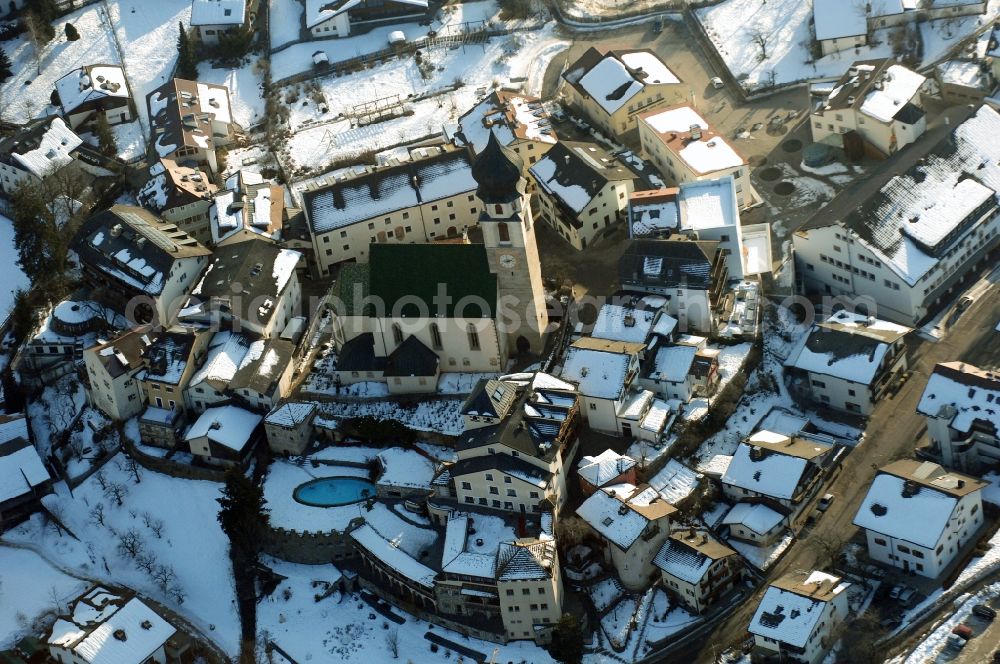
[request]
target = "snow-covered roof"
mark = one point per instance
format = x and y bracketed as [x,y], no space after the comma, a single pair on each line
[675,481]
[708,204]
[474,553]
[756,516]
[656,417]
[393,556]
[672,363]
[791,616]
[227,352]
[605,467]
[291,414]
[318,11]
[52,152]
[898,86]
[90,83]
[218,12]
[597,374]
[771,464]
[965,73]
[835,20]
[21,468]
[688,555]
[229,426]
[653,212]
[107,632]
[964,393]
[620,513]
[704,151]
[613,82]
[510,117]
[847,346]
[405,468]
[575,172]
[527,559]
[621,323]
[928,201]
[635,405]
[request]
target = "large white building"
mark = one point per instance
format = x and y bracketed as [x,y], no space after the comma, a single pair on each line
[905,242]
[917,516]
[799,616]
[962,405]
[35,152]
[216,19]
[603,370]
[878,100]
[685,148]
[848,361]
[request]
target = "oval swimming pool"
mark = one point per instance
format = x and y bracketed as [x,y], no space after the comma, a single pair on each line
[333,491]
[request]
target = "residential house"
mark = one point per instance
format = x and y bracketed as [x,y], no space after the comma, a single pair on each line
[94,90]
[171,361]
[839,27]
[114,370]
[514,456]
[634,522]
[848,362]
[251,286]
[606,469]
[421,200]
[582,190]
[697,569]
[115,626]
[214,20]
[611,89]
[690,275]
[139,264]
[24,478]
[943,9]
[962,405]
[35,151]
[783,472]
[225,435]
[685,148]
[876,100]
[917,516]
[334,18]
[226,353]
[964,81]
[260,383]
[189,120]
[520,122]
[181,195]
[643,417]
[755,523]
[249,207]
[603,371]
[798,617]
[680,372]
[289,427]
[918,229]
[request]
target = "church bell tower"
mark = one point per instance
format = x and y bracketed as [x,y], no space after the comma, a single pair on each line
[509,237]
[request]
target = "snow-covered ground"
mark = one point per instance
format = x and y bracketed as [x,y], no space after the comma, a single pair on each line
[345,629]
[246,95]
[285,21]
[30,588]
[190,541]
[25,95]
[14,279]
[929,649]
[440,415]
[762,557]
[148,33]
[323,134]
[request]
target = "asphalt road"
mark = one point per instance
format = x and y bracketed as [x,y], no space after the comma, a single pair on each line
[893,432]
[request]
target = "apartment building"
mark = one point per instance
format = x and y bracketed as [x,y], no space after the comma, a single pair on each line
[189,120]
[961,403]
[114,370]
[697,569]
[181,195]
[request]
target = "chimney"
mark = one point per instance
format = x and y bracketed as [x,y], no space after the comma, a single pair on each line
[696,132]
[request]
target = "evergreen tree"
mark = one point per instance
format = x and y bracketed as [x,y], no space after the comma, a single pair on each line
[243,515]
[71,32]
[6,68]
[41,245]
[105,137]
[567,640]
[187,60]
[42,13]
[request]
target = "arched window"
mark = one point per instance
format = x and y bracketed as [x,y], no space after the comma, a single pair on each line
[397,333]
[504,232]
[498,208]
[436,337]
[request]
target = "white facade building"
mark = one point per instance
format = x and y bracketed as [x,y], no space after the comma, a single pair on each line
[962,405]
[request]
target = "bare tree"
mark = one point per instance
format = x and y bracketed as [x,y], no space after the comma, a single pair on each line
[760,38]
[102,480]
[129,464]
[571,531]
[130,543]
[54,597]
[164,576]
[146,561]
[392,642]
[97,514]
[37,36]
[116,491]
[154,524]
[64,188]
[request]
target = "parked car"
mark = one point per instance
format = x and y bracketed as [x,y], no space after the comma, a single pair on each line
[889,624]
[983,611]
[717,83]
[824,502]
[963,631]
[956,641]
[894,593]
[906,595]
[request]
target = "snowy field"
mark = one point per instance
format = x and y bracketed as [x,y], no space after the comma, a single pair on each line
[14,279]
[25,95]
[190,542]
[31,587]
[346,630]
[440,415]
[285,21]
[323,133]
[245,84]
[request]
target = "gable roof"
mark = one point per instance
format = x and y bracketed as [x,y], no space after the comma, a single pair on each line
[172,185]
[973,394]
[688,554]
[40,148]
[621,513]
[689,136]
[181,114]
[412,358]
[402,275]
[21,468]
[603,468]
[575,172]
[598,374]
[91,83]
[772,464]
[229,426]
[510,116]
[218,12]
[669,263]
[758,517]
[792,606]
[263,373]
[616,77]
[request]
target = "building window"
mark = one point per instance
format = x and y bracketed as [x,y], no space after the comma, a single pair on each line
[504,232]
[467,486]
[436,337]
[397,333]
[880,541]
[473,337]
[489,477]
[511,493]
[494,491]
